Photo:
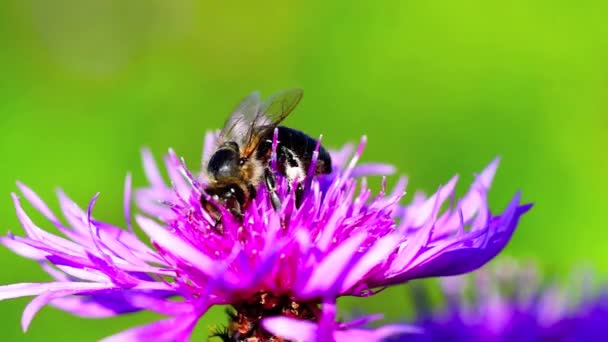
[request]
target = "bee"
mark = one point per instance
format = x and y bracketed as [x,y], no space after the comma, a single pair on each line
[241,161]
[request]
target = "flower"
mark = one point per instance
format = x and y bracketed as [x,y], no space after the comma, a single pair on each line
[281,271]
[507,302]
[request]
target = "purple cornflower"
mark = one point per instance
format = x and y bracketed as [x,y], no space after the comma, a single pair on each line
[508,302]
[281,271]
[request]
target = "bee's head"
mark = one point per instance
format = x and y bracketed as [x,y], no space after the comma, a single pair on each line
[226,193]
[231,196]
[225,162]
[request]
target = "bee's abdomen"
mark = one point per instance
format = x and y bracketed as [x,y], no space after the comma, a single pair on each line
[300,145]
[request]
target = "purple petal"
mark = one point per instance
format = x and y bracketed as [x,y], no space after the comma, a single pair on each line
[209,146]
[36,304]
[339,158]
[36,233]
[35,289]
[37,202]
[174,166]
[23,249]
[417,216]
[351,165]
[127,202]
[378,253]
[290,328]
[332,267]
[151,169]
[299,330]
[89,308]
[373,169]
[180,247]
[466,259]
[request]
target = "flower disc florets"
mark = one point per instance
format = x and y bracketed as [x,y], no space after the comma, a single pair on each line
[281,270]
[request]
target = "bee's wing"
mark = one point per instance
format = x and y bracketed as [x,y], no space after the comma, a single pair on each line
[252,118]
[238,125]
[270,113]
[278,106]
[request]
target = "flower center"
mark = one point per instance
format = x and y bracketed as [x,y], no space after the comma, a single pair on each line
[246,319]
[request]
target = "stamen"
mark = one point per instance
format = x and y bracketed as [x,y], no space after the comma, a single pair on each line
[355,159]
[275,144]
[315,157]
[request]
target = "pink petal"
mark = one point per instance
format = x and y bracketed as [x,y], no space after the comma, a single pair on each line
[151,170]
[328,271]
[378,253]
[181,248]
[127,202]
[37,202]
[35,289]
[290,328]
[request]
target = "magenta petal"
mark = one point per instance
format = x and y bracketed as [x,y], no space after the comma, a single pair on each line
[84,273]
[22,249]
[290,328]
[209,146]
[35,200]
[34,289]
[373,169]
[35,232]
[298,330]
[417,216]
[182,248]
[454,260]
[37,303]
[175,175]
[374,256]
[151,169]
[332,267]
[84,306]
[127,202]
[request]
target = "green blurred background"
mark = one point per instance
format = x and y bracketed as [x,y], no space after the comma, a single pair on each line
[439,88]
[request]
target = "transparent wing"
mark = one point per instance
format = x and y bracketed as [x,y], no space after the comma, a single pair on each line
[238,125]
[270,113]
[252,118]
[277,107]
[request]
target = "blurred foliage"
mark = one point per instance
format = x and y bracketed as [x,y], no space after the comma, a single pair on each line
[439,88]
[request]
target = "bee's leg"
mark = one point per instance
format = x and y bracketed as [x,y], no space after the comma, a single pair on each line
[252,191]
[235,210]
[271,186]
[299,194]
[215,213]
[218,225]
